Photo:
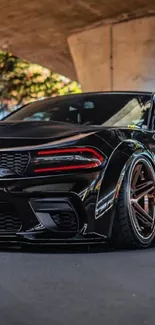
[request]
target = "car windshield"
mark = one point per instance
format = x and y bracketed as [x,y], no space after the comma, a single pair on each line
[90,109]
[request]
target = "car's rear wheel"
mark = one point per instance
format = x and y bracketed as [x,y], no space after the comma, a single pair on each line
[134,224]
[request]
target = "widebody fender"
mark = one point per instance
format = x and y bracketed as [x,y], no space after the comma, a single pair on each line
[113,175]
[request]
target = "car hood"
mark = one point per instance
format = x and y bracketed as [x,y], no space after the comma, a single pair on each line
[31,133]
[39,130]
[27,133]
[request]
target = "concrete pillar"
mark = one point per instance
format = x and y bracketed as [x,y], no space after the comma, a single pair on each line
[118,56]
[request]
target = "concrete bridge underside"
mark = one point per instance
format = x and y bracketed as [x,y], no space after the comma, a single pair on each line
[104,44]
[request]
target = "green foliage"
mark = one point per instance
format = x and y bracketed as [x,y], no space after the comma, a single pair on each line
[21,82]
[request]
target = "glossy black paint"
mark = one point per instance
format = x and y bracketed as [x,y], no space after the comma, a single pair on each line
[89,197]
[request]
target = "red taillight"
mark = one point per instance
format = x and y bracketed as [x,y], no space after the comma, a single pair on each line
[67,159]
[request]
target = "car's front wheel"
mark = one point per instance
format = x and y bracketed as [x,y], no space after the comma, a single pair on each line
[134,224]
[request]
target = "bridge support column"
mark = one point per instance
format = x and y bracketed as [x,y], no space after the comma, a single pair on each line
[116,56]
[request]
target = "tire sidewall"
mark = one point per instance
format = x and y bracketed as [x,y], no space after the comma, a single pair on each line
[127,179]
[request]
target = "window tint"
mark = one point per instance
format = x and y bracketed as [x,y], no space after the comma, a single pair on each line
[101,109]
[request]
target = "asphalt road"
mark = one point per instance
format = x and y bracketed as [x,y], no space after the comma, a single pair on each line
[69,289]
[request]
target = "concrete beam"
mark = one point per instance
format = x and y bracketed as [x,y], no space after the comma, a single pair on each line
[38,30]
[118,56]
[91,55]
[134,55]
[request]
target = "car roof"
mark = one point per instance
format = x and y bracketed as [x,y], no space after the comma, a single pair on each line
[78,95]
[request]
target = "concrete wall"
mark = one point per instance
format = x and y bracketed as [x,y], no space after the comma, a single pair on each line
[116,57]
[91,55]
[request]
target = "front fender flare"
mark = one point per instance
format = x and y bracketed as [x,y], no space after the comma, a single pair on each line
[113,176]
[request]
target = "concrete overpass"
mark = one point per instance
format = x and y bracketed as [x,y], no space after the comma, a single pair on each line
[105,45]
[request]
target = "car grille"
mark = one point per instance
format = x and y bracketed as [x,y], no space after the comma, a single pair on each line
[66,221]
[9,221]
[16,162]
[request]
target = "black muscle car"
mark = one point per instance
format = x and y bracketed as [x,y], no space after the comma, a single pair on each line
[79,169]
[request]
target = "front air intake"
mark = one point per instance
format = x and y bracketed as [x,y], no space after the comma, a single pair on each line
[66,221]
[9,220]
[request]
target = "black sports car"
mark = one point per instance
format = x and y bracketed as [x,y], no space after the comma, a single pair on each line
[79,169]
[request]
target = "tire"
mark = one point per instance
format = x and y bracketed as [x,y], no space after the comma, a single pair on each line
[134,224]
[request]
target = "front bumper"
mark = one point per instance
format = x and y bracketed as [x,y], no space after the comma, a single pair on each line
[44,218]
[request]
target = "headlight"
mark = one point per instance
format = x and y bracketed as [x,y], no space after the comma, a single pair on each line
[67,159]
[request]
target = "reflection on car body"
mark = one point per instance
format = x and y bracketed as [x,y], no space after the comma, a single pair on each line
[79,169]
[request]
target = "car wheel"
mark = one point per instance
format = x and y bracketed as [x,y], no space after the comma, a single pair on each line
[134,224]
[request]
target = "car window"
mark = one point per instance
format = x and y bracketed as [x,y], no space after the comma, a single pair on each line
[106,110]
